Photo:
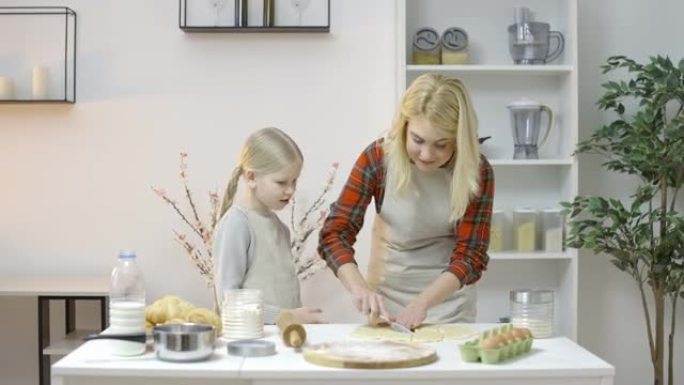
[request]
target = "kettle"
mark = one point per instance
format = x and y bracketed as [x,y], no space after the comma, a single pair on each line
[526,126]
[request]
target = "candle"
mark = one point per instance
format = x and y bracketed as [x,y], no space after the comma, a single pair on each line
[39,89]
[6,88]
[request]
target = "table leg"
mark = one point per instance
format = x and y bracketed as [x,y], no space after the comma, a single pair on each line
[104,320]
[43,340]
[70,315]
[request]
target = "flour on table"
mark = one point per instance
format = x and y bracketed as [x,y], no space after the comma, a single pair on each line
[424,333]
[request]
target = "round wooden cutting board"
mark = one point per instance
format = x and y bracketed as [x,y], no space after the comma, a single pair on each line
[369,354]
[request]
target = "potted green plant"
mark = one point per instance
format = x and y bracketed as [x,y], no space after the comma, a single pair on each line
[643,235]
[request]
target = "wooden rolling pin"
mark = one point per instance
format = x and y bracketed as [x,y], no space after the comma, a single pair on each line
[293,334]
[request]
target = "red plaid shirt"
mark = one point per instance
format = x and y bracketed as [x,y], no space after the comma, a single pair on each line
[367,181]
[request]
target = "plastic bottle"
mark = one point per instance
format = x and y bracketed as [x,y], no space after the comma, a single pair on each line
[126,304]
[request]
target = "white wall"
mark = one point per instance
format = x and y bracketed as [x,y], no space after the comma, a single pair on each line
[75,179]
[611,321]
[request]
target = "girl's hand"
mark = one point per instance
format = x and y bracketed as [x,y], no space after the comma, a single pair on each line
[308,315]
[413,315]
[368,302]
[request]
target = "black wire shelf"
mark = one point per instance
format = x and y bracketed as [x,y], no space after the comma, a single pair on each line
[69,59]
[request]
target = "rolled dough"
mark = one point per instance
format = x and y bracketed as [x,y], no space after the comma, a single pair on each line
[424,333]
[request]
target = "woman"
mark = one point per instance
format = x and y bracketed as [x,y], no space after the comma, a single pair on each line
[433,195]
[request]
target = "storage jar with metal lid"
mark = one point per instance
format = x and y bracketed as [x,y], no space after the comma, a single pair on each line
[454,46]
[533,309]
[426,47]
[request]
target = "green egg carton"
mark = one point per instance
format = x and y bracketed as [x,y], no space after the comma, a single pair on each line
[472,351]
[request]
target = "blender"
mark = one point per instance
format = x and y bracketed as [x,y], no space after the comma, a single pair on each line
[526,125]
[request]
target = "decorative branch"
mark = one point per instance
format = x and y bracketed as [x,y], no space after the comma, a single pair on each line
[303,228]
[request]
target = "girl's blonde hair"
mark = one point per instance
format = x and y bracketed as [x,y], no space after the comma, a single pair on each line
[445,103]
[266,151]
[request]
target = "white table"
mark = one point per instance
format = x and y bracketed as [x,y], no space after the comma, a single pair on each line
[67,289]
[552,361]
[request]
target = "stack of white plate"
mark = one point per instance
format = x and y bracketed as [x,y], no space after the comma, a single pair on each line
[242,314]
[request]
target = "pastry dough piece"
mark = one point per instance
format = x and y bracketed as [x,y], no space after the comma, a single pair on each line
[424,333]
[458,331]
[428,333]
[379,333]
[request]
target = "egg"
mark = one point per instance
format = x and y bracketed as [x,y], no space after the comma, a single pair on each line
[521,333]
[490,343]
[509,338]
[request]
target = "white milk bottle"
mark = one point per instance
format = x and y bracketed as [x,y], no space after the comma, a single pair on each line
[126,305]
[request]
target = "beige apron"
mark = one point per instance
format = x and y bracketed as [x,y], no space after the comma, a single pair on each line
[272,269]
[411,245]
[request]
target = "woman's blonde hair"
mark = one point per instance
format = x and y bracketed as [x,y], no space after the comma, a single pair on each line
[266,151]
[445,103]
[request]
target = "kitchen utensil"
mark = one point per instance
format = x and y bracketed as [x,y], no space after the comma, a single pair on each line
[251,348]
[397,327]
[525,123]
[529,43]
[292,333]
[133,337]
[369,354]
[483,139]
[186,342]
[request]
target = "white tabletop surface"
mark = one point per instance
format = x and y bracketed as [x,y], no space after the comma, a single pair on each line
[54,286]
[549,358]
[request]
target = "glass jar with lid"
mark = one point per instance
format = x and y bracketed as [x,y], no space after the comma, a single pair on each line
[552,228]
[454,46]
[533,309]
[497,230]
[525,229]
[426,47]
[242,314]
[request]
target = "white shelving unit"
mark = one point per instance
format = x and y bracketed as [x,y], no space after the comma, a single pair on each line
[494,81]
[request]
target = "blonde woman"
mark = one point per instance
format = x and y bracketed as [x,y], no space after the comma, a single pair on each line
[433,193]
[251,244]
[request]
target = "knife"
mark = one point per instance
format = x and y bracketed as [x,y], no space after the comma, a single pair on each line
[396,326]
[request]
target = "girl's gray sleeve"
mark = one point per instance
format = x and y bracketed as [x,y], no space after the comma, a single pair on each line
[231,250]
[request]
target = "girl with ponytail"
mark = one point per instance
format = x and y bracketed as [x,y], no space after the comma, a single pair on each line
[251,244]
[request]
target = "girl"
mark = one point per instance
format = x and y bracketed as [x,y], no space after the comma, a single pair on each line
[251,244]
[433,196]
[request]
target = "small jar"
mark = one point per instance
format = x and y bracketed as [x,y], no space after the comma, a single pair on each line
[454,46]
[496,232]
[426,47]
[525,229]
[553,230]
[533,309]
[242,314]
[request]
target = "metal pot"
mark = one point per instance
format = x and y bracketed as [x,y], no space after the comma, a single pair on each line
[186,342]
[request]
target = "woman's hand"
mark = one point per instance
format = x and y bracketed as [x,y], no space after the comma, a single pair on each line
[413,315]
[308,315]
[368,302]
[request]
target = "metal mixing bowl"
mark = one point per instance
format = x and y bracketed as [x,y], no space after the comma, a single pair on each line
[186,342]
